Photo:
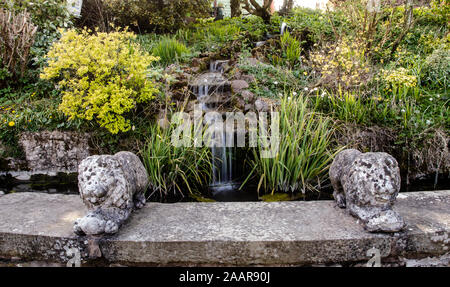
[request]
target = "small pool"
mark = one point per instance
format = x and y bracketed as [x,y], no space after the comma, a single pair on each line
[63,183]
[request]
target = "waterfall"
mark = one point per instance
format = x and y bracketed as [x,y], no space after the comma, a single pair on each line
[283,28]
[222,154]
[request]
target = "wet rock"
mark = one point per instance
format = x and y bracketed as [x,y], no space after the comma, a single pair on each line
[247,96]
[260,43]
[367,184]
[248,78]
[54,151]
[219,66]
[111,186]
[261,106]
[265,104]
[251,61]
[239,103]
[209,83]
[2,193]
[237,86]
[249,107]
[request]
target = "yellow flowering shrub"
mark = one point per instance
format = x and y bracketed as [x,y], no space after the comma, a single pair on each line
[399,78]
[102,76]
[343,64]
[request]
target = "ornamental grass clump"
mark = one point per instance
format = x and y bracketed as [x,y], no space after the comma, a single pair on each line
[102,76]
[305,150]
[169,50]
[175,169]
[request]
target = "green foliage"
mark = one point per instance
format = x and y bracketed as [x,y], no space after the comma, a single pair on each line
[156,16]
[399,78]
[174,169]
[346,106]
[318,25]
[169,50]
[26,110]
[212,36]
[437,68]
[291,48]
[270,81]
[103,77]
[305,150]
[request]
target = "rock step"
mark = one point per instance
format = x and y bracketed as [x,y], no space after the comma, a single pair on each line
[215,82]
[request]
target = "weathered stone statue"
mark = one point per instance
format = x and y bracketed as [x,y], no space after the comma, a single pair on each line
[367,184]
[111,186]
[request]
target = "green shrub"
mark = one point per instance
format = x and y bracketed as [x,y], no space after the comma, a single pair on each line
[102,77]
[271,81]
[156,16]
[211,35]
[317,23]
[304,153]
[437,68]
[346,106]
[169,50]
[174,169]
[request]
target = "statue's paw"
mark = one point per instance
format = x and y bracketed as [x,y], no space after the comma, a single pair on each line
[386,221]
[139,204]
[340,200]
[90,225]
[139,201]
[77,228]
[111,227]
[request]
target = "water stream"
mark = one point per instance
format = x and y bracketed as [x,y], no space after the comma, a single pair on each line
[210,93]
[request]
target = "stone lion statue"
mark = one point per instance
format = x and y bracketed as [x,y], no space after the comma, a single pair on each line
[367,184]
[111,186]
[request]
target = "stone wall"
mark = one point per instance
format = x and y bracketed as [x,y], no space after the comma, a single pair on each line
[54,151]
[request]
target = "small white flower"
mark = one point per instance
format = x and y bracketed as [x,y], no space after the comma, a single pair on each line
[428,122]
[431,99]
[315,89]
[294,93]
[403,110]
[276,83]
[289,98]
[306,89]
[322,95]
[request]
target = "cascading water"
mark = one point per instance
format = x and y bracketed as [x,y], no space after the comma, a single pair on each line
[283,28]
[209,89]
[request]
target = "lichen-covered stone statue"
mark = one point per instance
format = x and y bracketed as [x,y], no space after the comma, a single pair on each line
[367,184]
[111,186]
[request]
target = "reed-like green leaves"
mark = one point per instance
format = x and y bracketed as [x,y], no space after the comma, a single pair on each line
[175,169]
[305,150]
[169,50]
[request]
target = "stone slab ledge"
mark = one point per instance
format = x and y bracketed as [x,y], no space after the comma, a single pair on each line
[39,227]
